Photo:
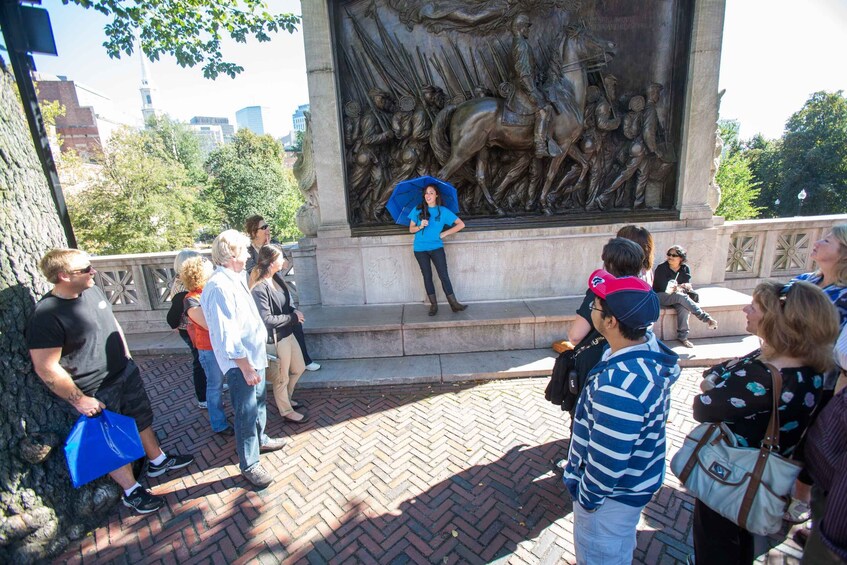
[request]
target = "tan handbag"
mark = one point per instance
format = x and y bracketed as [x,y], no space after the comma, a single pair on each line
[749,486]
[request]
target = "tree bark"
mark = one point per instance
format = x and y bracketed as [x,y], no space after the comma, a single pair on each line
[40,511]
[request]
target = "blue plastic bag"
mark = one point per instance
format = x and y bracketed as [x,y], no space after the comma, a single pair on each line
[99,445]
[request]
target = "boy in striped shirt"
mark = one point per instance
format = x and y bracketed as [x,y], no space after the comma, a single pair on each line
[617,453]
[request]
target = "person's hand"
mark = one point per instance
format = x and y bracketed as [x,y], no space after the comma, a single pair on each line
[89,406]
[300,316]
[424,223]
[686,286]
[252,377]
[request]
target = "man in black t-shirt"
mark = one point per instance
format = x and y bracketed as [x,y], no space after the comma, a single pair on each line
[79,351]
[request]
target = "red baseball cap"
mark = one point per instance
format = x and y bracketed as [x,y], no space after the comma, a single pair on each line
[630,299]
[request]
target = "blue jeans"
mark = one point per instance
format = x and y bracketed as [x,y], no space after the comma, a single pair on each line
[214,390]
[439,259]
[606,535]
[683,305]
[250,417]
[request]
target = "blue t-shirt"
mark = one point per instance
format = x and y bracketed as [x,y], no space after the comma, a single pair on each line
[429,238]
[835,292]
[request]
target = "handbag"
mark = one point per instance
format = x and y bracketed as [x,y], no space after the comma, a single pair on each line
[748,486]
[99,445]
[692,294]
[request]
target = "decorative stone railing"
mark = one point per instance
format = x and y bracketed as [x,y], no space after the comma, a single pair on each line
[138,286]
[758,250]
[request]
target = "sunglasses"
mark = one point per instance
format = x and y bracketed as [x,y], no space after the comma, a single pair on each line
[674,255]
[264,227]
[85,270]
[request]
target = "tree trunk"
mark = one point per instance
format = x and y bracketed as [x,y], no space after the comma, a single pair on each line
[39,508]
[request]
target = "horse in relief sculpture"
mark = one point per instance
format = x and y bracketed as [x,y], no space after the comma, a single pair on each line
[477,124]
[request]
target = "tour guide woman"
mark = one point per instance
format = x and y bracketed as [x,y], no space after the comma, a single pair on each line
[797,325]
[427,221]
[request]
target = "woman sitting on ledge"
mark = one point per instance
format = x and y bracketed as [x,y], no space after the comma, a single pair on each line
[672,282]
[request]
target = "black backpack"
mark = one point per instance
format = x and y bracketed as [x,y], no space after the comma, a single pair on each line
[571,369]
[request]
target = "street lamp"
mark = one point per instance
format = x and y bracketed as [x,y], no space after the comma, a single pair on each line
[801,196]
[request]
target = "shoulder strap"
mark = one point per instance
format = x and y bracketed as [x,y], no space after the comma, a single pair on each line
[772,434]
[769,445]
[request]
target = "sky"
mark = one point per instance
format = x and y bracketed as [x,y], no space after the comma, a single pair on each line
[776,53]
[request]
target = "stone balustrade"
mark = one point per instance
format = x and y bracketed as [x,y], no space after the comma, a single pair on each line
[780,248]
[139,285]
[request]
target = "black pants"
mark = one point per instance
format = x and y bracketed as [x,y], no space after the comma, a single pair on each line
[301,339]
[718,541]
[439,259]
[199,373]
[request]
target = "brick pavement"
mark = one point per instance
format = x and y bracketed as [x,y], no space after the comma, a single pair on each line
[411,474]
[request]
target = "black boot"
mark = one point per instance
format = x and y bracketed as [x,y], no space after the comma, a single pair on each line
[433,305]
[455,304]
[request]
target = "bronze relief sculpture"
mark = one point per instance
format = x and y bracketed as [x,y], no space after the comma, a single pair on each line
[512,101]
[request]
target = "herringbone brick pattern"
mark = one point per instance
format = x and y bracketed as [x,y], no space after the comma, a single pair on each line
[427,474]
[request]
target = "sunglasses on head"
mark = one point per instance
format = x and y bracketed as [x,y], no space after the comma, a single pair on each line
[264,227]
[85,270]
[783,292]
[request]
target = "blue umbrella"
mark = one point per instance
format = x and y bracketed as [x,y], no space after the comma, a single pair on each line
[409,193]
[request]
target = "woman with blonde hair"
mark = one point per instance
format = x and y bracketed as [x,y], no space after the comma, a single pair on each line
[797,325]
[274,303]
[195,272]
[830,255]
[177,320]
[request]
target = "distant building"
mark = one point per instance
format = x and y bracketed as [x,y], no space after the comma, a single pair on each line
[227,129]
[299,117]
[90,116]
[253,118]
[212,132]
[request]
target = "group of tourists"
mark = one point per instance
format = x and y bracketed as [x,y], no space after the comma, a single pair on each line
[616,459]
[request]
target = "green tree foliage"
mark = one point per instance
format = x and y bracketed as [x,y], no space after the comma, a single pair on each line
[142,201]
[738,189]
[190,31]
[174,140]
[247,177]
[813,155]
[765,164]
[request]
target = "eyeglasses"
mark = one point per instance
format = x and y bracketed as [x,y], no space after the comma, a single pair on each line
[673,255]
[593,307]
[85,270]
[264,227]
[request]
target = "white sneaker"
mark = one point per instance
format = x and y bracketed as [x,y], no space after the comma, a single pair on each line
[203,405]
[312,366]
[797,512]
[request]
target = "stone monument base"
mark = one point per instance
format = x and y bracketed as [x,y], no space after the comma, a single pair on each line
[512,264]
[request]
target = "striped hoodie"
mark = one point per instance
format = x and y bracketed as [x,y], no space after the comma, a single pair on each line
[618,445]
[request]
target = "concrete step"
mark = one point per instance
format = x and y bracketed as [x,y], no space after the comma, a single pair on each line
[451,367]
[351,332]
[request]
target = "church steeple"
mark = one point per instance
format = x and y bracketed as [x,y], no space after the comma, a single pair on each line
[148,90]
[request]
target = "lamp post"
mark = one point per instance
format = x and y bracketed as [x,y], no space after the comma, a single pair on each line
[801,196]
